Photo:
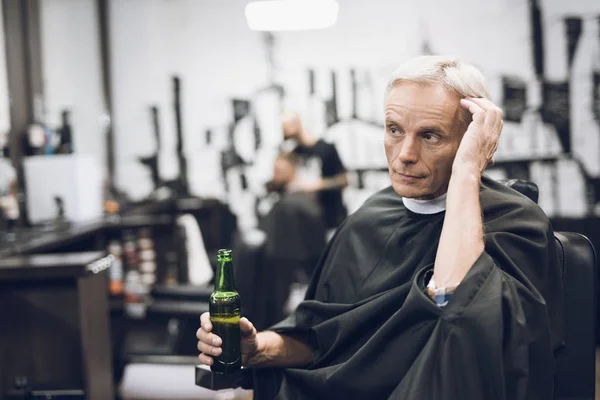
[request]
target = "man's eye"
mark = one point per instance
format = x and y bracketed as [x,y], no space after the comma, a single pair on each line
[393,130]
[430,137]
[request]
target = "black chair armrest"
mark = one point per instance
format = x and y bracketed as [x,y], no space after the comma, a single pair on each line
[575,375]
[526,188]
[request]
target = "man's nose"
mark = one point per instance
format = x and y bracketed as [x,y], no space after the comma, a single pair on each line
[409,150]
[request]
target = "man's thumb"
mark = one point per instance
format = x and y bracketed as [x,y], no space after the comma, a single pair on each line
[246,326]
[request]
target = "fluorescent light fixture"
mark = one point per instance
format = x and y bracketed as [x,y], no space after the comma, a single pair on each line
[291,15]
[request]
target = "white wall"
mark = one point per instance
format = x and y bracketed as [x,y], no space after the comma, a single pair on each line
[209,45]
[71,71]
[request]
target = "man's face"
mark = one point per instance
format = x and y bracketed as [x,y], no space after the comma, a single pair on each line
[283,171]
[291,129]
[422,134]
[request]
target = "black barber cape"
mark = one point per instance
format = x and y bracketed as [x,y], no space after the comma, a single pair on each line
[377,334]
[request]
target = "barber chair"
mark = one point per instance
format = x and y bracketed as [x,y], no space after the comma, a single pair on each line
[575,373]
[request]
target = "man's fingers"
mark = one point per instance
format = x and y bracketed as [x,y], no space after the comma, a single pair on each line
[486,104]
[205,322]
[209,338]
[493,112]
[208,343]
[491,115]
[471,106]
[208,349]
[477,112]
[246,326]
[206,360]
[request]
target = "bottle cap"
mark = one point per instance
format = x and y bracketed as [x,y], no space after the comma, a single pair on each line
[224,254]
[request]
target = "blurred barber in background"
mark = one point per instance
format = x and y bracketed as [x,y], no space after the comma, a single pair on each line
[319,169]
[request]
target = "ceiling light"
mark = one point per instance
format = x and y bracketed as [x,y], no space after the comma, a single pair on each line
[291,15]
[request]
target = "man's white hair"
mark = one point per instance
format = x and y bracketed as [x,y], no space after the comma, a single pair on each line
[455,75]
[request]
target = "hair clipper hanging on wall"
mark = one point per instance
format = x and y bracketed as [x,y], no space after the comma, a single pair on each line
[66,135]
[183,177]
[331,104]
[152,161]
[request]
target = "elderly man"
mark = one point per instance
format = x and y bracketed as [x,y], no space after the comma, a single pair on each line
[443,286]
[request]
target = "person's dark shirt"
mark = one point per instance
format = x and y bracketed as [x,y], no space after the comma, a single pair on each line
[323,159]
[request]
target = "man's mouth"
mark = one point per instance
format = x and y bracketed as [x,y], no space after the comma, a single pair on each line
[408,176]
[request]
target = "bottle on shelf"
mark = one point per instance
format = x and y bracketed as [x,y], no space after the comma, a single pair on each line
[147,256]
[116,287]
[135,291]
[171,275]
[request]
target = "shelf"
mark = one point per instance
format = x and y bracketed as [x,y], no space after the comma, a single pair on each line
[48,238]
[48,266]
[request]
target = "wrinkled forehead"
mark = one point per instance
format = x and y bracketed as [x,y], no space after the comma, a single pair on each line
[412,103]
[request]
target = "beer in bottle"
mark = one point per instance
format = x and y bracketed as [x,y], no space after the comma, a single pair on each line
[225,313]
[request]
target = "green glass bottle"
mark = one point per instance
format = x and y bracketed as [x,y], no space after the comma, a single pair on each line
[225,315]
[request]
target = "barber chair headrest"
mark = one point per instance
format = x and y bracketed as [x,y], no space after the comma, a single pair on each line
[526,188]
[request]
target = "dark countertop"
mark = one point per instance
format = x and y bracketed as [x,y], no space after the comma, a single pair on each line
[43,239]
[48,266]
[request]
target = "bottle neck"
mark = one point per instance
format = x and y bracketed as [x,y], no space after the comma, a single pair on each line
[224,279]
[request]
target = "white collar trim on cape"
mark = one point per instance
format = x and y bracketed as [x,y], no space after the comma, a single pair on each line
[426,206]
